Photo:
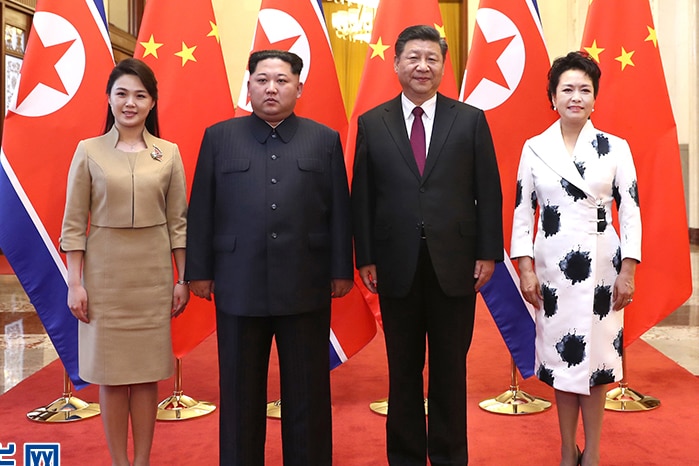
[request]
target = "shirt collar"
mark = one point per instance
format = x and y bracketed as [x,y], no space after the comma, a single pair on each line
[429,106]
[285,130]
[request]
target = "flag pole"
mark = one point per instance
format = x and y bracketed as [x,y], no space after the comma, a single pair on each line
[624,398]
[514,400]
[274,409]
[179,406]
[67,408]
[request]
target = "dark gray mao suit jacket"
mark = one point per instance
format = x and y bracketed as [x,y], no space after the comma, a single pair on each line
[458,198]
[269,223]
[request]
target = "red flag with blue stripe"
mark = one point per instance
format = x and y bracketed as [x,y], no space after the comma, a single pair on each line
[506,76]
[60,99]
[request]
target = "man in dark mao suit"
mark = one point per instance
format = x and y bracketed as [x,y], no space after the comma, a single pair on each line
[270,236]
[426,242]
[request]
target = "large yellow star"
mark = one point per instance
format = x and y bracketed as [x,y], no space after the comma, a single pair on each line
[652,37]
[594,51]
[187,53]
[214,32]
[378,49]
[625,58]
[151,47]
[439,28]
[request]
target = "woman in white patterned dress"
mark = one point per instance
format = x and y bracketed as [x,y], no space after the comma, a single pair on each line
[574,267]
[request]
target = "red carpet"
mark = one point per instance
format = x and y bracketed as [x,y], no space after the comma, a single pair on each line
[5,268]
[666,436]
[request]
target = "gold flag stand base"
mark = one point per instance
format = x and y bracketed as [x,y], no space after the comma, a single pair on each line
[514,400]
[179,406]
[68,408]
[381,406]
[274,409]
[624,398]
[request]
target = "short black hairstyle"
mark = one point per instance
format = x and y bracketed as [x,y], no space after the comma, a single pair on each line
[576,60]
[420,32]
[291,58]
[138,68]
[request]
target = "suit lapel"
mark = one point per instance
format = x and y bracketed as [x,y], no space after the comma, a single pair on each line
[444,116]
[551,150]
[395,123]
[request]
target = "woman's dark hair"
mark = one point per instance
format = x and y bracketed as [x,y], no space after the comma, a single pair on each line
[143,72]
[573,61]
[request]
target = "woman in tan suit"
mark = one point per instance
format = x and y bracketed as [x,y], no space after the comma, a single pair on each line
[125,219]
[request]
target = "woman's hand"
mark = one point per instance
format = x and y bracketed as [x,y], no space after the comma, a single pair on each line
[180,298]
[624,285]
[529,283]
[77,302]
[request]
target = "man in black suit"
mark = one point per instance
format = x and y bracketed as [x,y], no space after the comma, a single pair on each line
[426,207]
[269,225]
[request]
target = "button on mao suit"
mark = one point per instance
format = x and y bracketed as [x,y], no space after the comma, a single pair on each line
[424,234]
[270,225]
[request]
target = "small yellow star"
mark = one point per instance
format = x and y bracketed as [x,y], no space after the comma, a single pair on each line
[439,28]
[652,36]
[151,47]
[187,53]
[378,49]
[214,32]
[594,51]
[625,58]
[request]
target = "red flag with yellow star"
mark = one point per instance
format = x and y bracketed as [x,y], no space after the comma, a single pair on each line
[633,103]
[179,40]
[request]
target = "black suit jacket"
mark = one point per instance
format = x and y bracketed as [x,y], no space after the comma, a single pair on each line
[269,216]
[457,199]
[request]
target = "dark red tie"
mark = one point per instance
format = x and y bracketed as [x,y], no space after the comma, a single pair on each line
[417,139]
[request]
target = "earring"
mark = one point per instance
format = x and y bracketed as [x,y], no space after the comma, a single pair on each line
[593,109]
[554,108]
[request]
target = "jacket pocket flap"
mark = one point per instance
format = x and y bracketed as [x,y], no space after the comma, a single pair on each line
[224,243]
[235,165]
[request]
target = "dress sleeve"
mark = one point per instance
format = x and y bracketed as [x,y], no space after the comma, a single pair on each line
[77,208]
[176,203]
[522,243]
[626,190]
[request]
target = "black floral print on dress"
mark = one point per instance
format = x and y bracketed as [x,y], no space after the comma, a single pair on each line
[619,342]
[601,144]
[602,301]
[581,168]
[616,261]
[551,220]
[573,191]
[550,300]
[571,348]
[545,374]
[576,266]
[633,192]
[602,377]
